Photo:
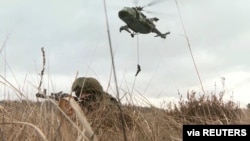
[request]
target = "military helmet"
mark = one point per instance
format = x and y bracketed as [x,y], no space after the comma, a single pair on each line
[86,85]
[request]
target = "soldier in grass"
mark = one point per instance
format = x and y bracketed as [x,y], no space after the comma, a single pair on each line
[90,93]
[96,103]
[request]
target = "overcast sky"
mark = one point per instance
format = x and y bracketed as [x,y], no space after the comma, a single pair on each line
[74,36]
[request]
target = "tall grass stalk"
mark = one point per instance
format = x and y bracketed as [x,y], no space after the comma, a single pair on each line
[189,46]
[114,71]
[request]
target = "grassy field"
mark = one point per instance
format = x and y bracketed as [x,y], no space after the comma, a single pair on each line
[34,121]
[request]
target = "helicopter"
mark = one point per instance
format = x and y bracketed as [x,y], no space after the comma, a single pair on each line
[138,22]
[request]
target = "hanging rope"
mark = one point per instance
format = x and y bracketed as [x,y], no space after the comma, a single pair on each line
[189,46]
[138,49]
[138,61]
[138,64]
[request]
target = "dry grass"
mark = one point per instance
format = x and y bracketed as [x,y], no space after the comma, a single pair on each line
[32,121]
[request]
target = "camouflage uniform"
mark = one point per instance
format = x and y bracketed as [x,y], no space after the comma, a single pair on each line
[90,93]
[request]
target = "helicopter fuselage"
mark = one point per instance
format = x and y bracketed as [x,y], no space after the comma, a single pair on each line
[136,20]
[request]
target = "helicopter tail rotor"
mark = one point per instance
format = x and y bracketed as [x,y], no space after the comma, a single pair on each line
[163,35]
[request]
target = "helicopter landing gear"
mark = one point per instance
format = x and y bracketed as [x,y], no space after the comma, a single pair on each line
[127,29]
[154,19]
[124,28]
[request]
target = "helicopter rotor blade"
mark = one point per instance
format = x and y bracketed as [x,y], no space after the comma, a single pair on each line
[152,12]
[154,2]
[135,2]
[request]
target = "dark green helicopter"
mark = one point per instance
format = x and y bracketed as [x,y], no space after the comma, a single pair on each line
[138,22]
